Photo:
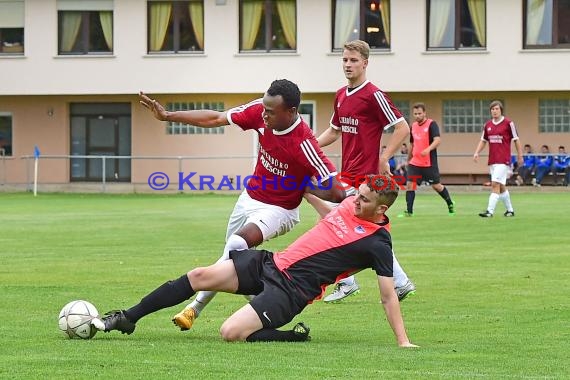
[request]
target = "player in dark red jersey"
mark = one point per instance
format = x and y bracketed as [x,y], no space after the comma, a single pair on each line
[499,132]
[422,159]
[361,113]
[352,237]
[288,150]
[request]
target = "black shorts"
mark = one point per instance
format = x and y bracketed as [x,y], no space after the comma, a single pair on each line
[277,300]
[420,174]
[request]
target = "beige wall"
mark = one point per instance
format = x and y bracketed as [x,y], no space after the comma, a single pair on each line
[33,125]
[503,66]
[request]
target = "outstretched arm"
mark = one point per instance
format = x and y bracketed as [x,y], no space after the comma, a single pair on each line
[199,118]
[392,310]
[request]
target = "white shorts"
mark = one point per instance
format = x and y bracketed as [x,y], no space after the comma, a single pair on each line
[271,220]
[499,173]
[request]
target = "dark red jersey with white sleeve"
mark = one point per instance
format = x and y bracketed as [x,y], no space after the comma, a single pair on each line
[361,115]
[499,135]
[286,159]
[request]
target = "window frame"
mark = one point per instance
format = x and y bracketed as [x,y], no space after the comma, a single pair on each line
[267,28]
[84,35]
[12,23]
[559,118]
[363,7]
[3,151]
[554,32]
[175,22]
[457,28]
[477,120]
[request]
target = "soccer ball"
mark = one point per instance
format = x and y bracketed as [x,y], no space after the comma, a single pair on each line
[75,319]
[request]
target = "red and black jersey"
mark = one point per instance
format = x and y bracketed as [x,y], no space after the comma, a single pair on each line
[339,245]
[293,154]
[421,137]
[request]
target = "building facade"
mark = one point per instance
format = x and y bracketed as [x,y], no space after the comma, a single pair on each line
[70,72]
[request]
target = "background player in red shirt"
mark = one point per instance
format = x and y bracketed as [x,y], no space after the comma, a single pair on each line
[422,159]
[499,132]
[352,237]
[287,149]
[361,113]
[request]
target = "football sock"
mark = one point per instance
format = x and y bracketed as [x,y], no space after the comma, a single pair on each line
[274,335]
[410,197]
[506,198]
[347,281]
[493,199]
[235,242]
[400,277]
[445,195]
[168,294]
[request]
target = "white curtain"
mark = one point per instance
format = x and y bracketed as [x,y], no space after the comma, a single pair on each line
[477,11]
[441,23]
[346,22]
[71,21]
[106,19]
[251,20]
[286,10]
[196,9]
[159,20]
[538,22]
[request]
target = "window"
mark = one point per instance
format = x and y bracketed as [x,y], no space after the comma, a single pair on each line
[175,26]
[465,116]
[404,107]
[85,27]
[547,24]
[5,134]
[12,27]
[173,128]
[268,25]
[554,115]
[367,20]
[307,110]
[456,24]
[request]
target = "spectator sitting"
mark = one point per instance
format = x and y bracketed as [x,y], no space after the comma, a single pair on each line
[401,162]
[391,161]
[543,165]
[528,167]
[562,164]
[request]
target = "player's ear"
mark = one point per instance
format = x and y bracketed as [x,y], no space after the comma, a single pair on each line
[381,209]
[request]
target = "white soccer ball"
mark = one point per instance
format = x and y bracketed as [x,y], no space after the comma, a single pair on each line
[75,319]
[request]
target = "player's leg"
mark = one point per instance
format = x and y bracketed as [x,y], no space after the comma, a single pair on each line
[414,179]
[505,196]
[441,190]
[260,222]
[402,284]
[220,276]
[498,177]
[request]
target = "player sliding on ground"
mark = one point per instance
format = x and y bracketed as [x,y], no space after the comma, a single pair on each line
[352,237]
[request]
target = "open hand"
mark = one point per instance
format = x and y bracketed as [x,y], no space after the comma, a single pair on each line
[157,109]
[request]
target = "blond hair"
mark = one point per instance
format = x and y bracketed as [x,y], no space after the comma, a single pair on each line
[360,46]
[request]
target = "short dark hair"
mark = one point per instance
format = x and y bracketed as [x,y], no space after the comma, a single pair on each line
[385,186]
[419,105]
[561,147]
[288,90]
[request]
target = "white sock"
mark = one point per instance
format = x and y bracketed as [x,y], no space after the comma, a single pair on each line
[493,199]
[203,298]
[400,277]
[506,198]
[348,281]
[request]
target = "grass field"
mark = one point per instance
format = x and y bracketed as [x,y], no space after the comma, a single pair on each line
[492,297]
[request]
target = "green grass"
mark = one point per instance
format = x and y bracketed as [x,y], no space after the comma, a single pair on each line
[492,297]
